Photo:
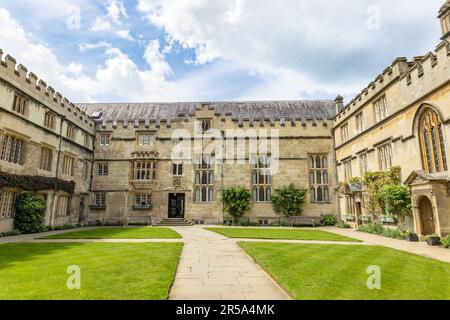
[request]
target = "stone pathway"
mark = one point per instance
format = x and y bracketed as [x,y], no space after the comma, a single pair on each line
[421,248]
[213,267]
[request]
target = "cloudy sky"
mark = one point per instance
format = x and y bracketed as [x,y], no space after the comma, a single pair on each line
[203,50]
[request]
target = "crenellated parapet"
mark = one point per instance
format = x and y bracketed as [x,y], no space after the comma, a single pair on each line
[30,85]
[415,76]
[241,114]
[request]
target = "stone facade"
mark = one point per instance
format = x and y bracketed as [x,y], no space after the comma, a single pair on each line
[34,120]
[304,129]
[383,127]
[45,136]
[120,156]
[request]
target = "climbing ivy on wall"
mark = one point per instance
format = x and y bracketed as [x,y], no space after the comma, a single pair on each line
[374,182]
[35,183]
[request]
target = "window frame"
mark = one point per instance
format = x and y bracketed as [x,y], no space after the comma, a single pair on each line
[20,104]
[261,171]
[363,163]
[385,157]
[140,198]
[46,159]
[13,149]
[359,119]
[142,141]
[380,106]
[344,133]
[104,139]
[7,199]
[177,169]
[139,171]
[204,180]
[348,169]
[319,166]
[99,199]
[102,169]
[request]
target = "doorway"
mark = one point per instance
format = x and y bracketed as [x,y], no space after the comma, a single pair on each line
[426,217]
[176,205]
[81,213]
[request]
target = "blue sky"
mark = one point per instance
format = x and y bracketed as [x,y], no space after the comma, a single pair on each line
[201,50]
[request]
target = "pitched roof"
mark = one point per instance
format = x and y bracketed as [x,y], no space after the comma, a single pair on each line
[269,110]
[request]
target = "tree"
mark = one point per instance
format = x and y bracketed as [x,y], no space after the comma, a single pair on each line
[288,200]
[396,200]
[236,201]
[30,213]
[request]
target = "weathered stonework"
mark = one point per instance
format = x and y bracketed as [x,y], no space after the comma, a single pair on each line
[411,89]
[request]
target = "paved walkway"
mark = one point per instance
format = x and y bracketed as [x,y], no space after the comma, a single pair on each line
[213,267]
[421,248]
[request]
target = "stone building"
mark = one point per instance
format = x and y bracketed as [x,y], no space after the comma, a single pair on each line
[401,119]
[46,146]
[115,163]
[136,174]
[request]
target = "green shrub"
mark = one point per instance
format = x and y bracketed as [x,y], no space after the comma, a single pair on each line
[248,223]
[396,200]
[446,242]
[380,230]
[236,202]
[342,224]
[30,213]
[329,220]
[372,228]
[395,234]
[288,200]
[11,233]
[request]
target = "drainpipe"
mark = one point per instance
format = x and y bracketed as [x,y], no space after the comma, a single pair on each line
[91,177]
[336,172]
[58,161]
[223,173]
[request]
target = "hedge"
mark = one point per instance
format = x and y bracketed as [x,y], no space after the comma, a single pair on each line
[35,183]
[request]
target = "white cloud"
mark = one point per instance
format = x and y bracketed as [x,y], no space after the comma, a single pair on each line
[317,44]
[84,46]
[118,78]
[112,21]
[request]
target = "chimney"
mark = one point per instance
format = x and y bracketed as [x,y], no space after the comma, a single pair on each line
[339,104]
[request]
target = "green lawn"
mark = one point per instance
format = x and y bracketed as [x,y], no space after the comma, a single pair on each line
[119,233]
[328,272]
[280,234]
[108,271]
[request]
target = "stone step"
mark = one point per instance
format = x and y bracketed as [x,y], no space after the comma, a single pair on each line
[174,222]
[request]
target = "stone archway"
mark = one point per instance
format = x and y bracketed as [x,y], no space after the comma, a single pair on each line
[426,216]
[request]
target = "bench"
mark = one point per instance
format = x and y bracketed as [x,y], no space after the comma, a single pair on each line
[296,221]
[141,219]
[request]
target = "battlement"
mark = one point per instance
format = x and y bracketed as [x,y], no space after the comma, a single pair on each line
[243,114]
[408,73]
[30,84]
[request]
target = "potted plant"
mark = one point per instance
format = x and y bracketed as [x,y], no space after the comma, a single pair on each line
[433,240]
[411,236]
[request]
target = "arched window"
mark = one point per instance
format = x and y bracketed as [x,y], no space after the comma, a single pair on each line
[432,143]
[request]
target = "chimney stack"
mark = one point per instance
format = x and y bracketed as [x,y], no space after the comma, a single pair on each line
[339,104]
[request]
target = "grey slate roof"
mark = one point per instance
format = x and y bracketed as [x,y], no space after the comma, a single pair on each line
[268,110]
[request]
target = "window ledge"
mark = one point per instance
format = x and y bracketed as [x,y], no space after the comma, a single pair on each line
[326,202]
[142,207]
[97,207]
